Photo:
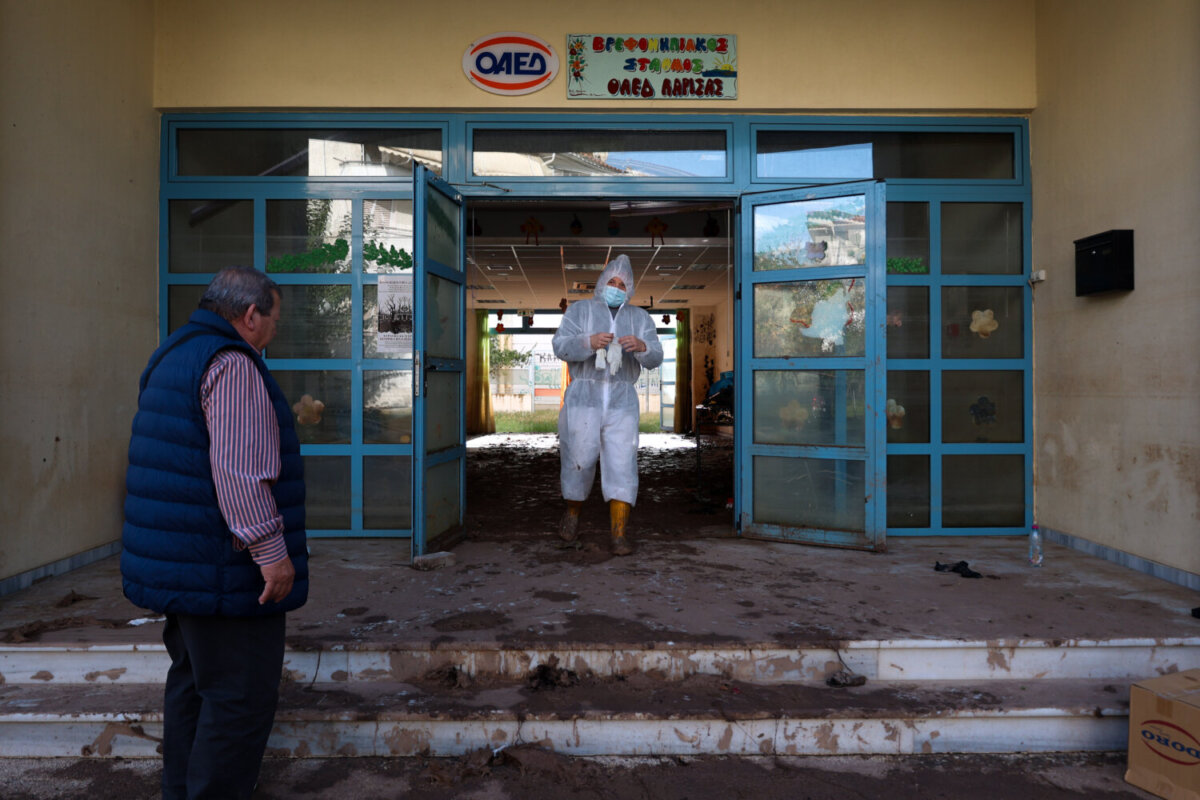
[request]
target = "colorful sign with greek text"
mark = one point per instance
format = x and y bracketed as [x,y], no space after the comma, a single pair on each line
[645,66]
[510,63]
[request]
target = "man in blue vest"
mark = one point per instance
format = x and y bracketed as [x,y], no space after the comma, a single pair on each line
[214,533]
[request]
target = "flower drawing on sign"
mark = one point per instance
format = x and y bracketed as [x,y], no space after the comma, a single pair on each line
[308,410]
[983,323]
[983,411]
[895,414]
[576,63]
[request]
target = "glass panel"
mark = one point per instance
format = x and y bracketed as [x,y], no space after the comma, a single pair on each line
[209,235]
[824,494]
[442,498]
[371,325]
[442,230]
[809,318]
[181,302]
[668,371]
[901,154]
[275,152]
[981,239]
[387,235]
[320,401]
[327,493]
[599,153]
[907,407]
[829,232]
[982,322]
[387,407]
[983,406]
[315,323]
[983,491]
[443,318]
[908,492]
[308,235]
[908,238]
[442,411]
[387,492]
[668,394]
[908,322]
[810,407]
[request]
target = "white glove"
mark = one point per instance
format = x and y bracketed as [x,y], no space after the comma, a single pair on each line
[614,357]
[601,362]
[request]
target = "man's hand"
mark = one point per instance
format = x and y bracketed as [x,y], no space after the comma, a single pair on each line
[632,344]
[279,578]
[600,340]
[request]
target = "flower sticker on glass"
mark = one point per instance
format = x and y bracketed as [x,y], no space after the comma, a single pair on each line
[983,323]
[983,411]
[308,410]
[895,414]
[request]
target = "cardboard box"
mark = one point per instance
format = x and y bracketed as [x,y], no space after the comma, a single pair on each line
[1164,735]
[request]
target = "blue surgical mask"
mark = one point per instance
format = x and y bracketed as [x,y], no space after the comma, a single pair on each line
[614,296]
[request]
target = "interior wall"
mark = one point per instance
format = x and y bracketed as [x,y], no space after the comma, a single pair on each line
[793,55]
[1114,144]
[79,156]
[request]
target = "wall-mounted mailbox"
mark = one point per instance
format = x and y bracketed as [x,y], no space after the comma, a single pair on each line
[1104,263]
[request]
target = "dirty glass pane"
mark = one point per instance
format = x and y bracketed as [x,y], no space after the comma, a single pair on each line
[281,152]
[442,230]
[443,318]
[907,409]
[828,232]
[320,401]
[825,494]
[387,492]
[315,323]
[442,412]
[308,235]
[387,407]
[885,154]
[599,153]
[209,235]
[981,239]
[371,325]
[908,238]
[983,406]
[908,492]
[983,491]
[327,493]
[181,302]
[809,318]
[824,407]
[442,498]
[387,235]
[908,322]
[982,322]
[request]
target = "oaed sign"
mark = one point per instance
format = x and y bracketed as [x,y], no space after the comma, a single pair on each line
[510,63]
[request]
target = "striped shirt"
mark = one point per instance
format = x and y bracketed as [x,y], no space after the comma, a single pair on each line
[244,451]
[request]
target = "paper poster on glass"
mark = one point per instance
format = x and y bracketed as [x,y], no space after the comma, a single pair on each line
[395,314]
[651,66]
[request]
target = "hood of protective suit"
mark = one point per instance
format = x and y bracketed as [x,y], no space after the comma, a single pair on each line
[621,268]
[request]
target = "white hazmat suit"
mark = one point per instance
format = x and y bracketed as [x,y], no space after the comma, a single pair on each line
[599,417]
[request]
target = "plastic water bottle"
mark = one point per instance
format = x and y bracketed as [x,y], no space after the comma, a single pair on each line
[1035,547]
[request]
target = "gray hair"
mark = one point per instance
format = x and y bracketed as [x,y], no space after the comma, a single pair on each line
[235,289]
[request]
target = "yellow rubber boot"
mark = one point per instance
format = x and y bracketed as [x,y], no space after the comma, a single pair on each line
[568,528]
[618,514]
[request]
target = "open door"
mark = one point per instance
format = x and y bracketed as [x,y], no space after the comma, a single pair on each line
[439,424]
[811,366]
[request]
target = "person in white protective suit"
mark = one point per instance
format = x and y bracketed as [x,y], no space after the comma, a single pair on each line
[606,342]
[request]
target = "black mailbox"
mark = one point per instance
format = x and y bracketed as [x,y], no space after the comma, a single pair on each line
[1104,263]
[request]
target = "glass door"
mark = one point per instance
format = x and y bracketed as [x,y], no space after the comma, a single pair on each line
[439,373]
[811,366]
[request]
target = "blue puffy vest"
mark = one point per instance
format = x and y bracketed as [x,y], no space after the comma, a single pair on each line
[178,554]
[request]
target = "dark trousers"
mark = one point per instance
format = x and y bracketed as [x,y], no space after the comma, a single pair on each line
[219,703]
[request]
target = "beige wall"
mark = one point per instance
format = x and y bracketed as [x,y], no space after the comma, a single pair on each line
[915,55]
[1117,397]
[79,159]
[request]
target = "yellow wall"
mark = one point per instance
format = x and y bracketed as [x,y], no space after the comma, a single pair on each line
[1115,145]
[79,159]
[915,55]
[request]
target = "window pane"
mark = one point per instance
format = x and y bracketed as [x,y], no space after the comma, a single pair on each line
[908,492]
[308,235]
[276,152]
[320,402]
[809,407]
[441,231]
[982,322]
[443,318]
[603,153]
[907,409]
[387,492]
[908,238]
[387,235]
[983,406]
[315,323]
[825,494]
[902,154]
[181,302]
[442,497]
[983,491]
[442,413]
[327,493]
[387,407]
[981,239]
[809,318]
[209,235]
[830,232]
[908,322]
[371,326]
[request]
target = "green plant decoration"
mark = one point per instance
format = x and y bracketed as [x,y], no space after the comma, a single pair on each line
[386,256]
[907,266]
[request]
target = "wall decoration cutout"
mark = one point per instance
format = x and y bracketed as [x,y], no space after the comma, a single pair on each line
[656,228]
[531,227]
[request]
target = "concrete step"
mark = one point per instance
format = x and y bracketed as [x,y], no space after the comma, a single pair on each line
[637,716]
